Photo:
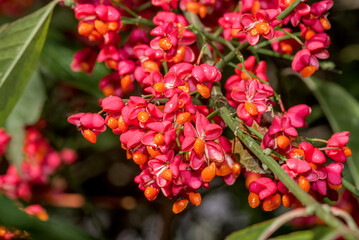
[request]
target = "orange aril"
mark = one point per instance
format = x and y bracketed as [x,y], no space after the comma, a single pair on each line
[253,200]
[108,91]
[159,87]
[235,31]
[309,34]
[282,142]
[288,2]
[111,64]
[153,153]
[262,27]
[209,172]
[199,146]
[126,82]
[112,26]
[325,23]
[85,29]
[150,66]
[42,216]
[287,200]
[89,135]
[203,90]
[121,124]
[139,158]
[251,108]
[181,51]
[256,6]
[236,170]
[298,153]
[251,177]
[335,187]
[347,151]
[253,32]
[101,27]
[193,7]
[151,193]
[112,123]
[95,35]
[167,174]
[143,116]
[304,183]
[84,66]
[271,202]
[286,48]
[308,71]
[223,169]
[179,206]
[2,231]
[202,11]
[245,76]
[314,166]
[159,139]
[184,87]
[165,44]
[182,118]
[195,198]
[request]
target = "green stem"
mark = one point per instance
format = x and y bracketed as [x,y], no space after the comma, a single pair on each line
[144,6]
[274,54]
[165,67]
[137,21]
[316,140]
[126,9]
[268,42]
[177,138]
[292,36]
[212,114]
[193,93]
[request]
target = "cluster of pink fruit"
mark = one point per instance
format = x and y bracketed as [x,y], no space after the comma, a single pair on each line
[174,133]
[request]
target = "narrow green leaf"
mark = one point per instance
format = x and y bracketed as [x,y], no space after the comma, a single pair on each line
[342,112]
[27,111]
[11,216]
[20,45]
[251,232]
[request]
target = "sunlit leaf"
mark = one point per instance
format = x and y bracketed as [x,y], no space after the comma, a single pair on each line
[20,46]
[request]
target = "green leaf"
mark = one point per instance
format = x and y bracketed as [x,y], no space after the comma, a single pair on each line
[251,232]
[56,60]
[53,229]
[20,45]
[27,111]
[255,231]
[342,112]
[321,232]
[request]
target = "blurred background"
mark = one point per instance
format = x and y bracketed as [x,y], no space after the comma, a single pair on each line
[102,197]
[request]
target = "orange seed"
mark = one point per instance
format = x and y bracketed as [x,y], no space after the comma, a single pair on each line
[179,206]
